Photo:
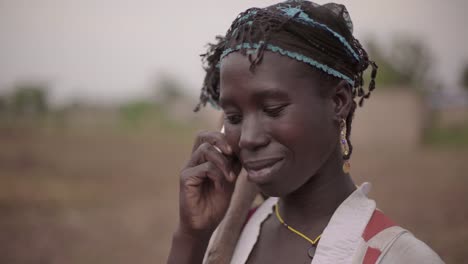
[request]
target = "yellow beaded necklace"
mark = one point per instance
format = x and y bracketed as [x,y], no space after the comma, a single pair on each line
[311,251]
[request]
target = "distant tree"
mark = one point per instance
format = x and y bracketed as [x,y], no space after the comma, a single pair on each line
[3,105]
[133,113]
[387,74]
[168,89]
[464,77]
[406,61]
[411,58]
[29,99]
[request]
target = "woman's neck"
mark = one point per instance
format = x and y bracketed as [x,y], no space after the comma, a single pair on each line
[317,199]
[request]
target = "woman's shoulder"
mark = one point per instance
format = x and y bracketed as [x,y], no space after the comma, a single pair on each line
[408,249]
[384,242]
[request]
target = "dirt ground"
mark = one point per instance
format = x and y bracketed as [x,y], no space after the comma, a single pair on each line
[101,196]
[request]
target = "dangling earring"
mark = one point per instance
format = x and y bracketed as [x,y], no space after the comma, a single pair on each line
[344,147]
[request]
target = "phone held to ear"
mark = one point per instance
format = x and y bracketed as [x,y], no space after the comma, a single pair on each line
[233,158]
[222,132]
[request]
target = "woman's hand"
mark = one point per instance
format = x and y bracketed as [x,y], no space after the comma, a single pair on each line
[206,184]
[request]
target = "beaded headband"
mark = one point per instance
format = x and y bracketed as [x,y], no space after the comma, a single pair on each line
[318,35]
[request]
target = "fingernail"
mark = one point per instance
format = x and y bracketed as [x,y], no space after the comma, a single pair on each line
[229,149]
[232,176]
[217,149]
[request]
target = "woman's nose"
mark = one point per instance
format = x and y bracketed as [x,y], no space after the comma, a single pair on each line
[253,134]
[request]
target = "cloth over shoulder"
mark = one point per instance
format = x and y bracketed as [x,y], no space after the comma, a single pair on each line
[357,233]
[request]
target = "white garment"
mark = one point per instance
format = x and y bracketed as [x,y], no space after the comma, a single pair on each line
[342,240]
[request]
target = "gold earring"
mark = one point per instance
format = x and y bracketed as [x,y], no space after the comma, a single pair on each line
[344,147]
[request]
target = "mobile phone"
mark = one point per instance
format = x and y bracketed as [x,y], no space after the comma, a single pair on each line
[233,158]
[222,131]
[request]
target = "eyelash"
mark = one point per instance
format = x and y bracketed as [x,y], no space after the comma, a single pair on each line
[276,111]
[233,119]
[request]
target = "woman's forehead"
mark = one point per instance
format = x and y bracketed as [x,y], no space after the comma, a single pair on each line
[276,77]
[272,63]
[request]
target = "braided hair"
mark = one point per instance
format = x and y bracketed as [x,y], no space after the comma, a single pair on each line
[319,35]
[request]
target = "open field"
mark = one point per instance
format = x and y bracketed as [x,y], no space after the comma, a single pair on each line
[100,195]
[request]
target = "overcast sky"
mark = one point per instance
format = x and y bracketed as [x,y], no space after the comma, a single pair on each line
[110,50]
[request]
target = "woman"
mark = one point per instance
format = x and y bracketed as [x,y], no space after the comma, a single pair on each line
[287,77]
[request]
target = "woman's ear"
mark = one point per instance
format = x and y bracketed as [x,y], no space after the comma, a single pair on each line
[342,99]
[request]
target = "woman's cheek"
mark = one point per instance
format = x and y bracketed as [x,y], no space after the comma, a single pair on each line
[288,127]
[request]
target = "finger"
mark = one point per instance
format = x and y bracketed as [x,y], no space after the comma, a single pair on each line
[236,167]
[207,152]
[215,138]
[196,176]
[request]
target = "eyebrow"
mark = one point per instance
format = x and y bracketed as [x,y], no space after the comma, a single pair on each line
[258,96]
[270,94]
[223,102]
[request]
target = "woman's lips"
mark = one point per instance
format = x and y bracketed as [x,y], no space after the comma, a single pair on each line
[259,171]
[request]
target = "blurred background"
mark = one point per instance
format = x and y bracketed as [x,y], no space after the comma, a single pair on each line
[96,100]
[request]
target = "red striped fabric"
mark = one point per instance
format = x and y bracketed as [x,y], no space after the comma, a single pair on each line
[372,254]
[377,223]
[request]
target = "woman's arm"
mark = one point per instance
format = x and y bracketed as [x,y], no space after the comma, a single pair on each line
[224,241]
[188,248]
[206,186]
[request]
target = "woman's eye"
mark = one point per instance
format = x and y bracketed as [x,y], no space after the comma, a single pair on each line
[233,119]
[274,111]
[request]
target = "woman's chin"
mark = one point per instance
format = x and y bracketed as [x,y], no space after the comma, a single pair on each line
[268,186]
[266,175]
[264,183]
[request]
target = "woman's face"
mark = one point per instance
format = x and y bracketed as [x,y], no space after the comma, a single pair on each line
[277,121]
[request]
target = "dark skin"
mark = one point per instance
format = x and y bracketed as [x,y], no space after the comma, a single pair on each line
[282,125]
